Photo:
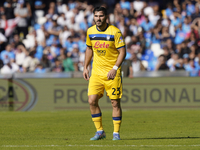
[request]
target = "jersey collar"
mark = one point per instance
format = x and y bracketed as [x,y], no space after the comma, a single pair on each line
[102,30]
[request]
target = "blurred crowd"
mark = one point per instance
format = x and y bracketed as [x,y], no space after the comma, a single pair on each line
[40,36]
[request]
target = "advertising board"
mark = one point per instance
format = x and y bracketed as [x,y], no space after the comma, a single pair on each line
[54,94]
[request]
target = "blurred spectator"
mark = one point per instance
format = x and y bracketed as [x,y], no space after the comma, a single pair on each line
[186,25]
[133,26]
[21,54]
[173,61]
[74,54]
[50,13]
[9,68]
[193,51]
[136,65]
[83,25]
[14,3]
[58,66]
[30,62]
[138,5]
[71,4]
[9,10]
[127,16]
[180,36]
[39,6]
[125,4]
[2,11]
[41,35]
[196,14]
[63,52]
[156,36]
[30,40]
[125,67]
[161,63]
[45,62]
[117,10]
[185,49]
[142,42]
[194,71]
[59,6]
[30,16]
[61,21]
[135,45]
[69,44]
[164,36]
[148,9]
[55,49]
[40,69]
[154,17]
[81,44]
[169,11]
[185,60]
[68,64]
[170,45]
[22,12]
[55,29]
[166,53]
[190,8]
[16,41]
[179,65]
[63,36]
[71,24]
[146,24]
[52,6]
[7,55]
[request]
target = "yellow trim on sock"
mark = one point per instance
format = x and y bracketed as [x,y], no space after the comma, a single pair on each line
[98,123]
[117,125]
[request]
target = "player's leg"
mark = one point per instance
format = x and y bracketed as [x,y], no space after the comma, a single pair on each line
[114,91]
[96,117]
[95,111]
[95,92]
[117,118]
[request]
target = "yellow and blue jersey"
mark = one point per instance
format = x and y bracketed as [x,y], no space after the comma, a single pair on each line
[105,45]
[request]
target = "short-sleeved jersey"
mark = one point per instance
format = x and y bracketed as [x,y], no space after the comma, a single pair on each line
[105,45]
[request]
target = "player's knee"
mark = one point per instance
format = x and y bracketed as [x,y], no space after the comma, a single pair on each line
[92,101]
[115,103]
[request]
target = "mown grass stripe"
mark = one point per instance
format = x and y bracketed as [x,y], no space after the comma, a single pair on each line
[100,145]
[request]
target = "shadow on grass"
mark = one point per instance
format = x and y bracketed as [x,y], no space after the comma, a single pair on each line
[160,138]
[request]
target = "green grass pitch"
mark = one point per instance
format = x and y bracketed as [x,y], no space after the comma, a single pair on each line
[61,130]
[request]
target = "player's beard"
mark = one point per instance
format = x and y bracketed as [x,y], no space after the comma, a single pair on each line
[100,23]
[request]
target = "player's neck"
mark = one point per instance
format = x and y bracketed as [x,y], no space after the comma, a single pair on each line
[103,27]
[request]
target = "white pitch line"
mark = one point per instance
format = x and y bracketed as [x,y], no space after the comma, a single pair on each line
[99,145]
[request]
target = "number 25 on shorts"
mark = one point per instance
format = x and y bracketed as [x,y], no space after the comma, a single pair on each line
[116,91]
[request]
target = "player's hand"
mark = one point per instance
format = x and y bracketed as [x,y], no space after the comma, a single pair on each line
[86,74]
[111,74]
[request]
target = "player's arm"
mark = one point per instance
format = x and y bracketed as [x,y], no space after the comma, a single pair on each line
[88,57]
[121,57]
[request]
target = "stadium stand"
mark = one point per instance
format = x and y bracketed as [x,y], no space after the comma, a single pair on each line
[40,36]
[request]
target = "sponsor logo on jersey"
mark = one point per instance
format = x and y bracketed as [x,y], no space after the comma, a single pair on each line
[101,52]
[101,45]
